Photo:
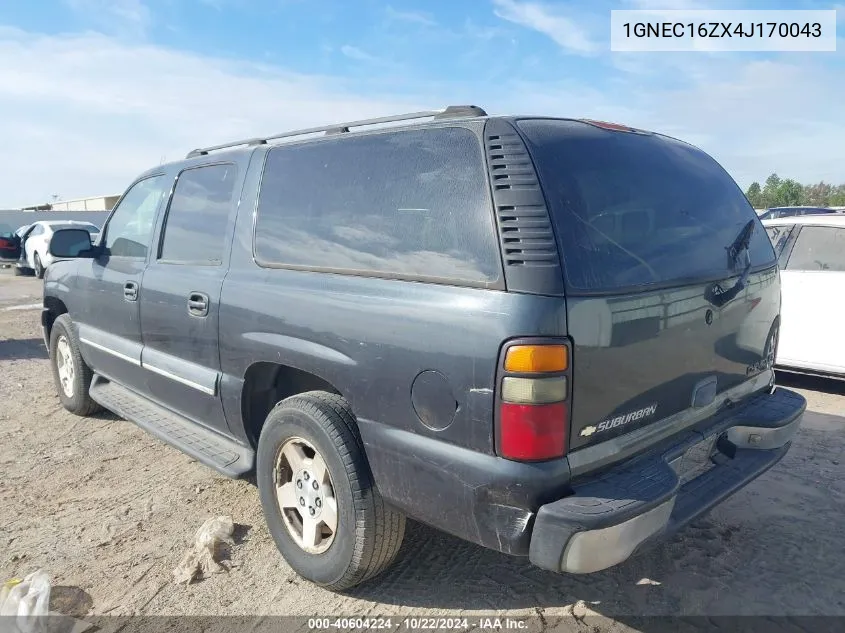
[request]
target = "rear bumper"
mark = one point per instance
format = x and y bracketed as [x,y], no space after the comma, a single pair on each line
[612,515]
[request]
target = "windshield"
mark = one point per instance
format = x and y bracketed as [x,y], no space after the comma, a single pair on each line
[637,210]
[6,231]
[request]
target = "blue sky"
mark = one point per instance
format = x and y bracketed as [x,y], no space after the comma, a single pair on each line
[94,91]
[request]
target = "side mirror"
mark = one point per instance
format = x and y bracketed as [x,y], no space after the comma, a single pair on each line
[69,243]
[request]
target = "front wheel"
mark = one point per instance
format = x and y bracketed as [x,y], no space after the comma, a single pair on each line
[70,373]
[39,267]
[320,503]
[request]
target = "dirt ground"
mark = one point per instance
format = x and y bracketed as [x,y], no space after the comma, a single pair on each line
[108,511]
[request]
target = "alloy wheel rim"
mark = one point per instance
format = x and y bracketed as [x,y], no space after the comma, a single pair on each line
[305,494]
[64,365]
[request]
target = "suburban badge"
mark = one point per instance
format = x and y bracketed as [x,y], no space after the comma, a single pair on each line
[619,420]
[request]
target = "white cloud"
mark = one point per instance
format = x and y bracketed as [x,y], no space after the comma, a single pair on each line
[128,17]
[413,17]
[82,115]
[564,30]
[353,52]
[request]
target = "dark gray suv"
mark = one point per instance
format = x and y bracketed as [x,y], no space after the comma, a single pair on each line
[550,337]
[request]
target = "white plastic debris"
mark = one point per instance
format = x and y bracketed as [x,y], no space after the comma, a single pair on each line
[200,560]
[26,600]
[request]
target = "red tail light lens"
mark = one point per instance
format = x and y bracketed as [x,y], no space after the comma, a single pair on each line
[534,404]
[533,431]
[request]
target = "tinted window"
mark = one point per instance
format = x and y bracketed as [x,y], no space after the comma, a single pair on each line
[130,227]
[635,210]
[818,248]
[411,202]
[198,216]
[778,236]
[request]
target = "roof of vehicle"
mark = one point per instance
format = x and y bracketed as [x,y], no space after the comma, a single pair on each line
[800,207]
[827,219]
[412,120]
[466,114]
[52,223]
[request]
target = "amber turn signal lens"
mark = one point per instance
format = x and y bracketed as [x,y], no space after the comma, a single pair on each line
[536,358]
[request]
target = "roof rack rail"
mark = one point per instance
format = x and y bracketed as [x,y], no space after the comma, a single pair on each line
[450,112]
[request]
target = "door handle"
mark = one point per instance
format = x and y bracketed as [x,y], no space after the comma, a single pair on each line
[130,291]
[198,304]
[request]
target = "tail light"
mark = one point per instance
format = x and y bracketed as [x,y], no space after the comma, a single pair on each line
[533,383]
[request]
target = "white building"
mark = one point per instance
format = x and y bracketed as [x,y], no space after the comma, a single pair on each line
[98,203]
[95,203]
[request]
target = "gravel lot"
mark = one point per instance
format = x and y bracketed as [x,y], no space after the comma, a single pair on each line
[108,511]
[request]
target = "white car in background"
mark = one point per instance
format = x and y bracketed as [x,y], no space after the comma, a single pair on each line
[36,242]
[811,256]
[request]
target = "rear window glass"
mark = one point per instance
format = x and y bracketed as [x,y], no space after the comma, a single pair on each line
[636,210]
[411,203]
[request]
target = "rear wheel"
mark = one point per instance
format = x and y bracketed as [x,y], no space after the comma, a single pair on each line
[39,267]
[320,502]
[70,373]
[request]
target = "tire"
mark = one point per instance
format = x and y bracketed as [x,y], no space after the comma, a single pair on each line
[64,348]
[39,267]
[368,533]
[770,348]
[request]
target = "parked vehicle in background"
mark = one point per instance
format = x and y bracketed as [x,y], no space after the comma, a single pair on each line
[35,255]
[811,254]
[387,329]
[10,245]
[788,212]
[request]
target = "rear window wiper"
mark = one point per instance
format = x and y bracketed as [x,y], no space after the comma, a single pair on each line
[742,244]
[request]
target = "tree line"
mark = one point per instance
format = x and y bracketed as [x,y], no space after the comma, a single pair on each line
[778,192]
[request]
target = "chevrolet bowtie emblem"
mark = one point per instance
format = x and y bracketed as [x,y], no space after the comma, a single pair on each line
[587,431]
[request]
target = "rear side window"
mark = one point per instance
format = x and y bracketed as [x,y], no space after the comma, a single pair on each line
[411,203]
[198,216]
[635,210]
[818,248]
[778,235]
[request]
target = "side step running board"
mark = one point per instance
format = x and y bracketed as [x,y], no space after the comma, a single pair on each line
[212,449]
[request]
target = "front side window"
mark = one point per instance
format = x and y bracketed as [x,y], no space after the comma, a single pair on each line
[818,248]
[198,216]
[413,203]
[130,228]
